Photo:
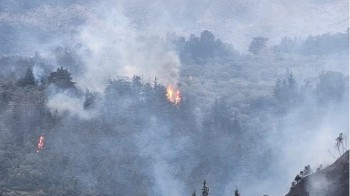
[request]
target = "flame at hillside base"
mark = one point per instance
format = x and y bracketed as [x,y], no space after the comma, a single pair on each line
[173,94]
[41,144]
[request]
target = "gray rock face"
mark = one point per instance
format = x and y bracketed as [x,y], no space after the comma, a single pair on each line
[331,181]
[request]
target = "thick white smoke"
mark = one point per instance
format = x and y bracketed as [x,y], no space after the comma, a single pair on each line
[158,144]
[65,103]
[113,46]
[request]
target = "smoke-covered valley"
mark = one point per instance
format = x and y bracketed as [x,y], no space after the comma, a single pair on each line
[153,98]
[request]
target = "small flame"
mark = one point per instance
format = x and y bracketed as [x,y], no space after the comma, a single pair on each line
[41,143]
[173,94]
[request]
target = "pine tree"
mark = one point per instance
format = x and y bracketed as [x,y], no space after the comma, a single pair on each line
[155,83]
[205,189]
[277,91]
[292,83]
[237,192]
[28,79]
[194,193]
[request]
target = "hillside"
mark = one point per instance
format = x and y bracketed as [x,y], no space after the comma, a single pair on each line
[332,180]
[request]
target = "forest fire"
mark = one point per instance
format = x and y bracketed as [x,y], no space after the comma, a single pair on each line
[41,143]
[173,94]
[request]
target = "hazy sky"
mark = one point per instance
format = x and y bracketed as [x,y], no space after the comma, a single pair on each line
[126,37]
[236,21]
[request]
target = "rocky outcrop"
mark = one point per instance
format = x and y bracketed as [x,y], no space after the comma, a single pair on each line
[330,181]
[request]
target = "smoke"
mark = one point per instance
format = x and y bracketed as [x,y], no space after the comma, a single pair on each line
[67,104]
[123,38]
[159,144]
[235,21]
[114,47]
[110,45]
[317,185]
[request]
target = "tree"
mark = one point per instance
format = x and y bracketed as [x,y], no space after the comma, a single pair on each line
[278,89]
[61,78]
[207,37]
[237,192]
[136,81]
[220,118]
[202,48]
[205,189]
[28,80]
[292,88]
[257,44]
[292,83]
[89,99]
[326,44]
[194,193]
[207,44]
[286,90]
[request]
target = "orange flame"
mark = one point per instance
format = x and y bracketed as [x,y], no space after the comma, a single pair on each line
[173,94]
[41,144]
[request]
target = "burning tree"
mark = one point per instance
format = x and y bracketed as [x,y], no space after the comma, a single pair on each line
[41,144]
[173,95]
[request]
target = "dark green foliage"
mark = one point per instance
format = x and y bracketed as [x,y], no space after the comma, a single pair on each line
[136,81]
[28,79]
[324,44]
[257,44]
[286,91]
[61,78]
[90,100]
[202,48]
[74,152]
[117,152]
[237,192]
[205,189]
[7,91]
[221,118]
[25,118]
